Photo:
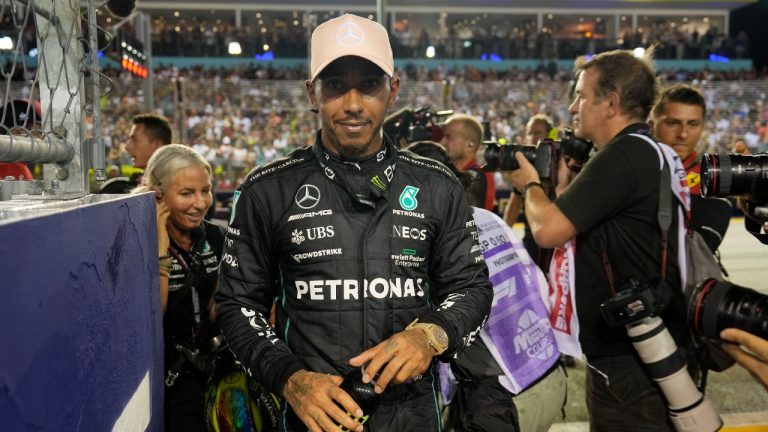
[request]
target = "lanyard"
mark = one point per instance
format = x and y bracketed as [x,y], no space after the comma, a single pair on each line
[188,281]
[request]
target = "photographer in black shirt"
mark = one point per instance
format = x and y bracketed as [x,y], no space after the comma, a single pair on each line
[610,211]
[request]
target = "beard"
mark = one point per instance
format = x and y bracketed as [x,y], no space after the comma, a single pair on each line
[357,149]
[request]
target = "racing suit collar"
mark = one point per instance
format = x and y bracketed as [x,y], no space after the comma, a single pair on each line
[382,170]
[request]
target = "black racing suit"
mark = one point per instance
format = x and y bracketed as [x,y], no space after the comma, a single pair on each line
[346,272]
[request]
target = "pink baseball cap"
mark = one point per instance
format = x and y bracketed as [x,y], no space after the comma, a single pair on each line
[350,35]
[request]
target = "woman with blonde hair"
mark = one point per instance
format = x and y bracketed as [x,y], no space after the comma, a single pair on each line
[189,250]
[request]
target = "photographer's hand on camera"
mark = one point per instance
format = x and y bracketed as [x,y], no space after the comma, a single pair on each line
[402,356]
[548,224]
[320,403]
[566,172]
[749,351]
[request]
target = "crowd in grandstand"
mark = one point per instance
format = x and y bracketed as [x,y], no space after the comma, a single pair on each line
[243,117]
[193,37]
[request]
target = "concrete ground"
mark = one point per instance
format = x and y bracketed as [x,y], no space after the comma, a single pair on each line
[742,402]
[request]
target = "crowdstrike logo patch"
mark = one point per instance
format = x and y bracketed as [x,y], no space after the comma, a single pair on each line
[350,34]
[307,197]
[316,254]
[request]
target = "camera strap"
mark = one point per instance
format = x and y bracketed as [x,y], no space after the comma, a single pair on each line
[664,215]
[663,218]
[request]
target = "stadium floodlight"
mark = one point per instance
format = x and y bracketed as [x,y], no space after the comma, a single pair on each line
[6,43]
[430,52]
[639,52]
[235,48]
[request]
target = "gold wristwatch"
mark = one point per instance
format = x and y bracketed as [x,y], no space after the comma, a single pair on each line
[436,336]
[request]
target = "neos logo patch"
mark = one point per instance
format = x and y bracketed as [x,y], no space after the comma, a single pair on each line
[307,197]
[408,198]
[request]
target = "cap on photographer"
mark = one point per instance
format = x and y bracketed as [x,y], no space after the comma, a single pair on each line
[678,120]
[462,137]
[610,210]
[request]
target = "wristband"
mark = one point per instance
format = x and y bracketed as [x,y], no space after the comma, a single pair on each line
[530,185]
[165,265]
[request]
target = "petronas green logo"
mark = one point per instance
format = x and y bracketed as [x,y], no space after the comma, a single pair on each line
[235,197]
[408,198]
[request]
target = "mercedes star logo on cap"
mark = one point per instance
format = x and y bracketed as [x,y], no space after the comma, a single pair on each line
[308,196]
[350,34]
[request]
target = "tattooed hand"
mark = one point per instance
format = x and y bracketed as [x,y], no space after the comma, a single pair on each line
[320,403]
[406,354]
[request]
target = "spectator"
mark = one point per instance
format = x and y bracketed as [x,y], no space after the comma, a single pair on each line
[462,136]
[304,225]
[189,251]
[148,133]
[678,120]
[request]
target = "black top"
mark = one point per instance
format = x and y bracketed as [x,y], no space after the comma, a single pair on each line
[193,273]
[613,205]
[347,271]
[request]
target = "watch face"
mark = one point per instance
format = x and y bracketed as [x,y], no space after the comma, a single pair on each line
[440,336]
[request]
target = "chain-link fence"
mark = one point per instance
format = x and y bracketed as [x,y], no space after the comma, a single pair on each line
[50,77]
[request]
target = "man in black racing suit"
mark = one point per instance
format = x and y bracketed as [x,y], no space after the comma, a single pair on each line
[352,240]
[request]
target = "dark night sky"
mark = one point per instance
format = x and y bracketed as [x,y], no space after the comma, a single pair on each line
[753,19]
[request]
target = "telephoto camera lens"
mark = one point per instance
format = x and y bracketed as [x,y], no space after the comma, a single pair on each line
[724,175]
[717,305]
[688,409]
[502,157]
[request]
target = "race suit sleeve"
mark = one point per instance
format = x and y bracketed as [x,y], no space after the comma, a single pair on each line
[247,288]
[460,276]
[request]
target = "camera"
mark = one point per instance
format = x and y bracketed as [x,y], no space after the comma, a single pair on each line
[636,306]
[574,148]
[633,302]
[724,175]
[715,305]
[502,157]
[415,125]
[543,156]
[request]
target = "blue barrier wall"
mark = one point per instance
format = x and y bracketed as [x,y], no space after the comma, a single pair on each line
[80,320]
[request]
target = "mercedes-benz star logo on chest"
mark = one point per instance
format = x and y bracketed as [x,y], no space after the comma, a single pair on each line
[307,197]
[350,35]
